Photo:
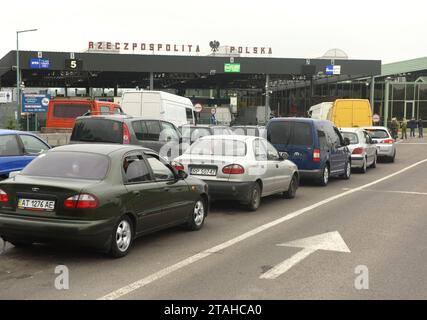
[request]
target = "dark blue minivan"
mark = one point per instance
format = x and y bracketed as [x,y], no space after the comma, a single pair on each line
[315,146]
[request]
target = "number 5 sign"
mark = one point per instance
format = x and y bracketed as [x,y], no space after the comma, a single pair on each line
[73,64]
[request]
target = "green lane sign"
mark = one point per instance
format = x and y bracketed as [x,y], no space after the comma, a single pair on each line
[231,67]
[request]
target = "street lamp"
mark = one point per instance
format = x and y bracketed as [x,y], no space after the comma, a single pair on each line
[18,73]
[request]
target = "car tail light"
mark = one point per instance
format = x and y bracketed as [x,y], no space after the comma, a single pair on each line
[82,201]
[178,166]
[4,197]
[126,135]
[388,141]
[358,151]
[316,155]
[233,169]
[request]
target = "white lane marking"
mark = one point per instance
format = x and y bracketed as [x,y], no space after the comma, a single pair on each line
[331,241]
[397,191]
[206,253]
[413,143]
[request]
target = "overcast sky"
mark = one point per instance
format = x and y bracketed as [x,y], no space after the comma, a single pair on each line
[365,29]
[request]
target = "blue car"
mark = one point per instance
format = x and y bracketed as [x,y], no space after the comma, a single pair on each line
[315,146]
[17,149]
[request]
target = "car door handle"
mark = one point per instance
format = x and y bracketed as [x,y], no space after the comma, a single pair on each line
[137,193]
[277,166]
[166,189]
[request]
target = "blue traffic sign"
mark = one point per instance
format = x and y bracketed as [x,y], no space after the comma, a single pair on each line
[37,63]
[33,103]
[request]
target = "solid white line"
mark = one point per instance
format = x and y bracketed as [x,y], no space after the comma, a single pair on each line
[413,143]
[281,268]
[206,253]
[400,192]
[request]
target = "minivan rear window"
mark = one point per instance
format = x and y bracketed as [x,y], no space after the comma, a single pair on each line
[73,165]
[290,133]
[98,130]
[378,134]
[70,110]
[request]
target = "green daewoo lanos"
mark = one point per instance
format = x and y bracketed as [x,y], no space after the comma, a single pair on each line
[99,195]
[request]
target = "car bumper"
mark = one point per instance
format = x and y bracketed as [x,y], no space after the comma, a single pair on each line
[357,161]
[385,150]
[310,174]
[94,234]
[229,190]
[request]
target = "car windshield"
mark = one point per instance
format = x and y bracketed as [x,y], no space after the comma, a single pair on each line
[378,133]
[351,136]
[218,147]
[290,133]
[73,165]
[98,130]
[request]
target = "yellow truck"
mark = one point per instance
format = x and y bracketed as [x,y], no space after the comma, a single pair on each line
[349,113]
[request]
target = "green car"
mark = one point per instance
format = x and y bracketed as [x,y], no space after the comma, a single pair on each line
[99,195]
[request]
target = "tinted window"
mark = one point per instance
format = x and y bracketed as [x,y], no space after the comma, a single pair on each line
[351,136]
[218,147]
[9,146]
[160,170]
[32,144]
[291,133]
[70,110]
[378,134]
[135,169]
[137,128]
[78,165]
[151,130]
[98,130]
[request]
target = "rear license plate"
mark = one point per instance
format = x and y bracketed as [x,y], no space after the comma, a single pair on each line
[203,171]
[34,204]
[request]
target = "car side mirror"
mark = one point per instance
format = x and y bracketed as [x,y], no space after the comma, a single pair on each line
[13,174]
[182,174]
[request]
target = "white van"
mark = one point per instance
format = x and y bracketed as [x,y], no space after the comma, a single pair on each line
[320,111]
[158,105]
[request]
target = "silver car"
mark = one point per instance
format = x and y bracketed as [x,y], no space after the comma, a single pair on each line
[386,147]
[242,168]
[362,147]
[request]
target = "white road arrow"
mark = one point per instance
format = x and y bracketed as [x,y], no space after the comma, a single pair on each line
[331,241]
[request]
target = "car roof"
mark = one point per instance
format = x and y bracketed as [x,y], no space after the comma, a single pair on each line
[119,117]
[352,129]
[376,127]
[8,131]
[307,120]
[230,137]
[99,148]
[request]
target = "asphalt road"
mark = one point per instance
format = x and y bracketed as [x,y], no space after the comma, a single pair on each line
[381,217]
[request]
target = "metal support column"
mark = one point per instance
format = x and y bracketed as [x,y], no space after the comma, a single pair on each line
[151,81]
[372,95]
[267,97]
[386,102]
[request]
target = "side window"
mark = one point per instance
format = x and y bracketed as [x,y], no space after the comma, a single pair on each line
[151,130]
[339,139]
[168,132]
[160,170]
[322,138]
[135,169]
[260,150]
[367,137]
[9,145]
[272,153]
[332,137]
[137,128]
[118,110]
[32,145]
[189,114]
[105,110]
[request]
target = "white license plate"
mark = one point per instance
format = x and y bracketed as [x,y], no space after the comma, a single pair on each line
[203,172]
[34,204]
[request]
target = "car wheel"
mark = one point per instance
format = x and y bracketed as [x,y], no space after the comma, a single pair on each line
[255,197]
[374,164]
[324,179]
[197,216]
[347,173]
[393,157]
[364,167]
[292,189]
[122,237]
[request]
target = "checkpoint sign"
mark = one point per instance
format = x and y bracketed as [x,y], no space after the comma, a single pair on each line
[32,103]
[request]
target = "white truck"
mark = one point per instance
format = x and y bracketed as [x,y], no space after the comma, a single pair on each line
[158,105]
[320,111]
